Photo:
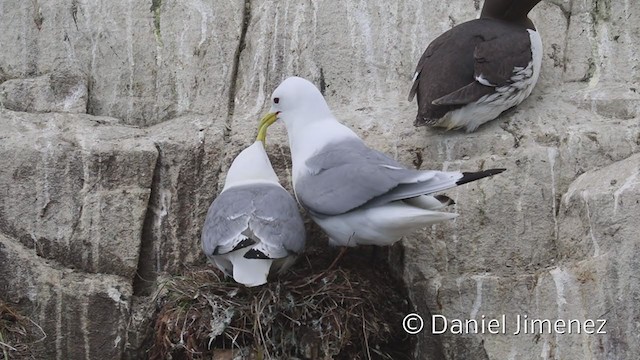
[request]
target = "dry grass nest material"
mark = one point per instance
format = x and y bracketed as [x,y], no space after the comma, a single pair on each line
[353,311]
[17,334]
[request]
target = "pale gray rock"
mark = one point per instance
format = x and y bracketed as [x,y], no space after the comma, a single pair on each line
[75,188]
[505,253]
[615,101]
[140,328]
[552,237]
[596,206]
[594,258]
[190,151]
[510,251]
[63,90]
[80,315]
[145,61]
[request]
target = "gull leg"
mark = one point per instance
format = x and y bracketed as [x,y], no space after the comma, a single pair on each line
[343,250]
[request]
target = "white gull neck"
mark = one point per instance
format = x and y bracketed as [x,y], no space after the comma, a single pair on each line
[252,165]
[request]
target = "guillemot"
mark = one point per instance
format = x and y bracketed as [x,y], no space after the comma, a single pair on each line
[473,72]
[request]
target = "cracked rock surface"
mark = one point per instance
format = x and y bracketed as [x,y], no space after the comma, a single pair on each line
[118,118]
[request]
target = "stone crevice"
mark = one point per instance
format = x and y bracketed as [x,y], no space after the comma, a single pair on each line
[146,273]
[567,14]
[89,104]
[235,68]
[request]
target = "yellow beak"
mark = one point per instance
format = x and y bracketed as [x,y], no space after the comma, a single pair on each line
[265,122]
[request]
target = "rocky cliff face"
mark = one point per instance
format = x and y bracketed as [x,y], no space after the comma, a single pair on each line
[118,119]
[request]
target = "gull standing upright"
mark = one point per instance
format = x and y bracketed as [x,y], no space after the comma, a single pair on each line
[253,228]
[357,195]
[472,73]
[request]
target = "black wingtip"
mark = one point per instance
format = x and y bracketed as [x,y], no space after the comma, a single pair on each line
[468,177]
[243,244]
[444,200]
[255,254]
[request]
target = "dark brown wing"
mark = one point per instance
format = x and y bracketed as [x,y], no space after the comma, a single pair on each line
[448,69]
[496,59]
[431,49]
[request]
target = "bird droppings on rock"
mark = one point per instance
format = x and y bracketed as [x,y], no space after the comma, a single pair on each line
[352,311]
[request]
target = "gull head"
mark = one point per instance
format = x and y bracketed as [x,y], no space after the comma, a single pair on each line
[296,101]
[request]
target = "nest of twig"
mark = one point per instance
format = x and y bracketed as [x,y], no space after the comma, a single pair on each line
[353,311]
[17,334]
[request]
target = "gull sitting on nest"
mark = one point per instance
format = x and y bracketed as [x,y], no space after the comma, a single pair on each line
[253,228]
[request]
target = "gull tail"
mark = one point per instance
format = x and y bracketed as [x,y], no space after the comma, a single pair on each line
[430,182]
[249,272]
[264,250]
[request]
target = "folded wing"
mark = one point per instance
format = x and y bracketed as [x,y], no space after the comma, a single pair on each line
[348,175]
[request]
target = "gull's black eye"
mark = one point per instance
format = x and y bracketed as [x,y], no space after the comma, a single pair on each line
[276,100]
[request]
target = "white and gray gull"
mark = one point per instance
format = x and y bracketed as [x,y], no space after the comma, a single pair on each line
[357,195]
[475,71]
[253,228]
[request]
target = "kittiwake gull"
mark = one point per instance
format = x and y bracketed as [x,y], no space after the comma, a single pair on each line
[357,195]
[253,228]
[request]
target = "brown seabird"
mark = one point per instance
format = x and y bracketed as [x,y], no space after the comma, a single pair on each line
[472,73]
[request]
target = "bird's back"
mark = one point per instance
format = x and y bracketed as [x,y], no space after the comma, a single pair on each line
[448,64]
[266,209]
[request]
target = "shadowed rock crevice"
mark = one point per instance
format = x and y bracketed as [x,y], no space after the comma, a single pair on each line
[235,67]
[185,179]
[146,273]
[89,105]
[156,11]
[184,182]
[567,14]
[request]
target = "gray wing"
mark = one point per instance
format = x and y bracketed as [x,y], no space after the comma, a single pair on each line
[227,219]
[254,215]
[346,175]
[277,222]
